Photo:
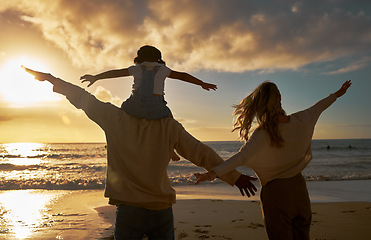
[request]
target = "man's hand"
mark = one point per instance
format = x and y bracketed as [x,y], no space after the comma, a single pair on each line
[88,78]
[246,186]
[39,75]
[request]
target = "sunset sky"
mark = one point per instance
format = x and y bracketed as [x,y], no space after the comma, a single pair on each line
[308,48]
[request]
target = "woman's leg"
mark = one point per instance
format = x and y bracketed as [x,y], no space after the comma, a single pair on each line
[286,208]
[303,219]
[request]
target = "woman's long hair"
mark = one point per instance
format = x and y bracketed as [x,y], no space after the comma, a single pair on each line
[264,104]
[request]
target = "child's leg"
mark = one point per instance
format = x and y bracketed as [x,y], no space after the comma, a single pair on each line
[174,156]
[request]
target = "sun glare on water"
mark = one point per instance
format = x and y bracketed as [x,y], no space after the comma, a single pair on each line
[19,88]
[24,213]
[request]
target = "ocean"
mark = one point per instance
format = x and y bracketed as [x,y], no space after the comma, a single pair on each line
[81,166]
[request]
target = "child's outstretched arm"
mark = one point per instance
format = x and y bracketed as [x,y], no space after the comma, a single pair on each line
[108,74]
[191,79]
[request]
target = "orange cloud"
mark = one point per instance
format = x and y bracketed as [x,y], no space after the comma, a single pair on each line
[104,95]
[194,35]
[353,66]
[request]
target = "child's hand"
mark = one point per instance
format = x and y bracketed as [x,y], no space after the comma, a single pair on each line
[39,75]
[208,86]
[88,78]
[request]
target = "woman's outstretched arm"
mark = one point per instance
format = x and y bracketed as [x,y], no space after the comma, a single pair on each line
[343,89]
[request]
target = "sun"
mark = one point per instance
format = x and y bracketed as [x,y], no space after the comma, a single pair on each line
[19,88]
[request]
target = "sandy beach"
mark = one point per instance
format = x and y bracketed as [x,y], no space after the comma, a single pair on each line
[341,210]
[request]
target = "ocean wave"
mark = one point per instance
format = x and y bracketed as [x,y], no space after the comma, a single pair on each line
[83,166]
[56,156]
[96,184]
[75,156]
[58,168]
[309,177]
[12,167]
[52,184]
[10,156]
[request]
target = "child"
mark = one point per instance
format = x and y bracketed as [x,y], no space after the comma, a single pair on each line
[147,98]
[278,150]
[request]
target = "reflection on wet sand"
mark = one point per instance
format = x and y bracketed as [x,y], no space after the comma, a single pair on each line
[23,212]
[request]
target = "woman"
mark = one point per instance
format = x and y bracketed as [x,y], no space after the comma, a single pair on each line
[278,150]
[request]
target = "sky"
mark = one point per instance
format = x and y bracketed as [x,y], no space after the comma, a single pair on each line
[308,48]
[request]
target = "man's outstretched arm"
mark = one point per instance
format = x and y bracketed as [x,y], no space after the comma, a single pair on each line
[41,76]
[81,99]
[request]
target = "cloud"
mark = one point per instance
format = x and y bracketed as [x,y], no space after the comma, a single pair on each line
[104,95]
[232,36]
[353,66]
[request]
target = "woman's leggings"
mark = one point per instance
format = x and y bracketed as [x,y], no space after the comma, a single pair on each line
[286,208]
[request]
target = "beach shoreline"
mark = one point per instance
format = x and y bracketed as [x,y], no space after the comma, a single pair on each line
[341,210]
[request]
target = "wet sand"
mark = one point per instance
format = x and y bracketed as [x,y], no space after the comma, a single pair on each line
[341,210]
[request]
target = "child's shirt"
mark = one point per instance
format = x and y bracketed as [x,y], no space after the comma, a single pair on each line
[159,80]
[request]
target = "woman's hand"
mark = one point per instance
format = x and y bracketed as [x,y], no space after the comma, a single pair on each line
[89,78]
[201,177]
[343,89]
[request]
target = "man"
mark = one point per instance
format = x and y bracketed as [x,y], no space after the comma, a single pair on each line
[138,153]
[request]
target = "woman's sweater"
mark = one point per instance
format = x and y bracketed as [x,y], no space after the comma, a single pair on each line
[271,162]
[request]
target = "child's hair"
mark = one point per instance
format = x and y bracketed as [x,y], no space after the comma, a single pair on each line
[148,53]
[264,104]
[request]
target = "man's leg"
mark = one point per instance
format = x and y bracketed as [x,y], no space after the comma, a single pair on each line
[160,224]
[130,223]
